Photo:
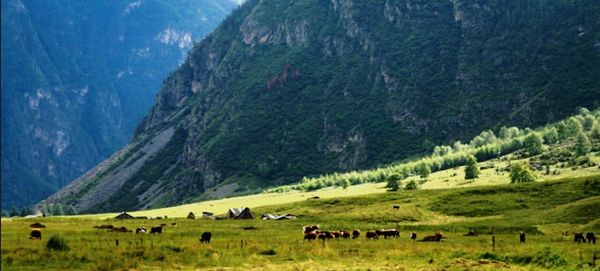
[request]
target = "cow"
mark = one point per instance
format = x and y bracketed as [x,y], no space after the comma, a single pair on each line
[470,233]
[579,238]
[355,234]
[156,230]
[109,227]
[325,235]
[371,235]
[311,235]
[141,230]
[396,207]
[437,237]
[309,228]
[336,234]
[121,229]
[591,238]
[37,225]
[413,236]
[392,233]
[522,237]
[345,234]
[163,225]
[205,238]
[35,234]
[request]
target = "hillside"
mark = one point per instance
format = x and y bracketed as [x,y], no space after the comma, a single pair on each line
[285,89]
[78,77]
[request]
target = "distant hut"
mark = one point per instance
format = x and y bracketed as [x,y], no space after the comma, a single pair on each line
[245,214]
[124,215]
[191,216]
[233,213]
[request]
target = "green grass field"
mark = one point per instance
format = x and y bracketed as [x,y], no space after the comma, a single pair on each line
[545,210]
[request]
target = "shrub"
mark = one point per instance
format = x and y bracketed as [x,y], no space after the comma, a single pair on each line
[393,183]
[533,143]
[471,169]
[521,173]
[583,145]
[56,242]
[411,185]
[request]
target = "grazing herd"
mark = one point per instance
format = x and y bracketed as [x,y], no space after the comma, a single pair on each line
[589,237]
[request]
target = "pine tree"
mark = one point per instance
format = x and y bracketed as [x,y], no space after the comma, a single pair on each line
[471,169]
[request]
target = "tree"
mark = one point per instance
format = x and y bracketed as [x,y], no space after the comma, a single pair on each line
[511,132]
[26,211]
[486,137]
[583,145]
[412,185]
[70,210]
[595,133]
[471,169]
[5,213]
[551,135]
[521,173]
[393,182]
[14,211]
[424,170]
[588,122]
[533,143]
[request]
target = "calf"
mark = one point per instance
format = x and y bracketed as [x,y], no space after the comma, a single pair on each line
[591,238]
[35,234]
[355,234]
[522,237]
[371,235]
[205,238]
[156,230]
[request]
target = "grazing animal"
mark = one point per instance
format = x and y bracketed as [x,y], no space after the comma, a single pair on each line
[37,225]
[156,230]
[470,233]
[392,233]
[336,234]
[396,207]
[205,238]
[325,235]
[355,234]
[109,227]
[141,230]
[345,234]
[173,224]
[371,235]
[437,237]
[591,238]
[413,236]
[579,238]
[121,229]
[35,234]
[522,237]
[311,235]
[310,228]
[163,225]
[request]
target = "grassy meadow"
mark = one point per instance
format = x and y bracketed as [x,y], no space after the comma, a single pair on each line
[544,210]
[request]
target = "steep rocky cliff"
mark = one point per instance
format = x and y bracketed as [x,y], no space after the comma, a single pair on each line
[78,77]
[284,89]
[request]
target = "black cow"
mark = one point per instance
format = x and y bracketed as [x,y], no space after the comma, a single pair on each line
[156,230]
[35,234]
[205,238]
[413,236]
[591,238]
[371,235]
[355,234]
[579,238]
[522,237]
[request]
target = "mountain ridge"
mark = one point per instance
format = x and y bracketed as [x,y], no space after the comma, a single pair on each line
[282,90]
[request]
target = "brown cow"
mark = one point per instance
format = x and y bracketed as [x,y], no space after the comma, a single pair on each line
[437,237]
[336,234]
[355,234]
[309,228]
[325,235]
[35,234]
[156,230]
[345,234]
[371,235]
[311,235]
[413,236]
[522,237]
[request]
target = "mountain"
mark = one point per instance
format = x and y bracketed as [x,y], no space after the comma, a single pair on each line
[284,89]
[77,78]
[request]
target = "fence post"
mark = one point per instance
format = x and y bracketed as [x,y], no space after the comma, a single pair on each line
[117,242]
[493,243]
